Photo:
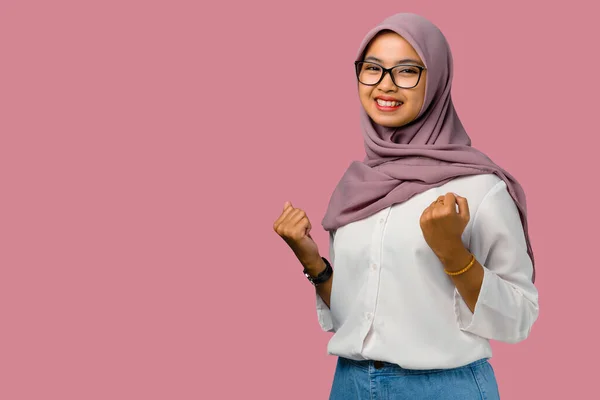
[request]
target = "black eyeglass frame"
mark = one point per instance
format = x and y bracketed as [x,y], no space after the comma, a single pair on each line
[388,71]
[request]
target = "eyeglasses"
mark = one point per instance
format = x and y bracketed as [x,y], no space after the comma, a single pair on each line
[403,76]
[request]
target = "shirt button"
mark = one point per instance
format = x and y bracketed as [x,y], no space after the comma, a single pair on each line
[381,220]
[374,267]
[369,316]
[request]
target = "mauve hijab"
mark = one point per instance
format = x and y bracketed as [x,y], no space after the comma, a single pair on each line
[426,153]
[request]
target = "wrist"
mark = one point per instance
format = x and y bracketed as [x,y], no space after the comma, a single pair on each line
[314,267]
[456,259]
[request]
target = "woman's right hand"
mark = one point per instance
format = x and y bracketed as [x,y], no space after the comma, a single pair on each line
[294,227]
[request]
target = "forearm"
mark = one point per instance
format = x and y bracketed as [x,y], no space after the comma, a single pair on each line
[468,283]
[323,289]
[505,311]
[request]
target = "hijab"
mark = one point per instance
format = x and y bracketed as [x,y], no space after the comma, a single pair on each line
[426,153]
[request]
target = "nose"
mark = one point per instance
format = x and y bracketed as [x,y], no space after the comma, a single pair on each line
[386,84]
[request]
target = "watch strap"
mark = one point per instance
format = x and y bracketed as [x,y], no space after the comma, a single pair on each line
[323,275]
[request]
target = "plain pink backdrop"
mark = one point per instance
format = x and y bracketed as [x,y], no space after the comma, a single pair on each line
[146,147]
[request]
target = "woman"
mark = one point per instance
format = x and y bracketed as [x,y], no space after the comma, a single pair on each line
[427,235]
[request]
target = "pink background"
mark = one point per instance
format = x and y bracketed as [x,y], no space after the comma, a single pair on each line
[147,147]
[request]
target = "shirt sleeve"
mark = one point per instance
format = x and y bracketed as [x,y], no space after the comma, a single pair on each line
[507,305]
[323,312]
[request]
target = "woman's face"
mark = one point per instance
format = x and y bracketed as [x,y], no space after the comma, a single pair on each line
[390,49]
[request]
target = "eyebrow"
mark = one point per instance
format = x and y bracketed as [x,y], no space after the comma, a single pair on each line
[403,61]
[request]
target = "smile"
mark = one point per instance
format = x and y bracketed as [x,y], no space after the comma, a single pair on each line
[386,105]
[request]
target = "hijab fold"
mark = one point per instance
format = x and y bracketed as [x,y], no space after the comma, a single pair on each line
[429,152]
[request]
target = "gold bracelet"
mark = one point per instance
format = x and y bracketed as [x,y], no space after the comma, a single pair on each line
[465,269]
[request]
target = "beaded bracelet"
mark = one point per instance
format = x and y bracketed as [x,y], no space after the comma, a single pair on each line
[465,269]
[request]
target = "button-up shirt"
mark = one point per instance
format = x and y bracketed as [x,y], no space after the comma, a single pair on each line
[391,300]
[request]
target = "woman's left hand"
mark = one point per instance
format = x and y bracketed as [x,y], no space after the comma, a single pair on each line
[443,226]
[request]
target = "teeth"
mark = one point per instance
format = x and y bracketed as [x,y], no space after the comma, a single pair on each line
[388,103]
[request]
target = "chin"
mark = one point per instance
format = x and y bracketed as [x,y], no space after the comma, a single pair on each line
[389,122]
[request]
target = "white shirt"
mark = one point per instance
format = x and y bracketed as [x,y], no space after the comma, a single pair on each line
[391,300]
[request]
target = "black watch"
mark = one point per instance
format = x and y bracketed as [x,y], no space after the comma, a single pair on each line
[323,276]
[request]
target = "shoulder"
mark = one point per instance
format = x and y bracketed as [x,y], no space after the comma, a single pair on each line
[490,203]
[476,188]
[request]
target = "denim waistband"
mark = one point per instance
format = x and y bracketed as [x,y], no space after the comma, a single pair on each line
[387,367]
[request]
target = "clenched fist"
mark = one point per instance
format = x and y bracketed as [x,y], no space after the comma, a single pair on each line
[443,226]
[294,227]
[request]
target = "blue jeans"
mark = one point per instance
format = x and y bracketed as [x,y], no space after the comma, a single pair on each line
[370,380]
